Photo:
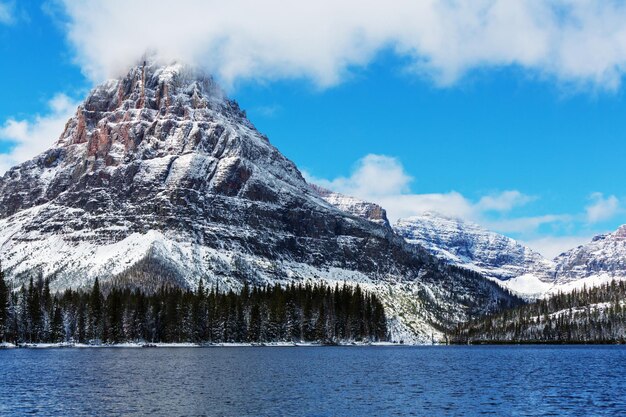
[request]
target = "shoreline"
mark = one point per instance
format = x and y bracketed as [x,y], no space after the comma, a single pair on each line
[537,343]
[135,345]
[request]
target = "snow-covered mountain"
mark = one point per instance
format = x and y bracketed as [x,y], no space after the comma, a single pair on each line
[471,246]
[601,260]
[513,265]
[370,211]
[159,178]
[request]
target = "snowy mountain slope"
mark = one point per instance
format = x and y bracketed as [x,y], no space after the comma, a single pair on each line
[591,265]
[602,259]
[513,265]
[159,178]
[469,245]
[370,211]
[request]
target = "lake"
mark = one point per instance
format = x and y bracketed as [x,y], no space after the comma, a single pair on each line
[315,381]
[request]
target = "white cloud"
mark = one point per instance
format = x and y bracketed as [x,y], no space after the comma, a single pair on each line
[6,13]
[268,111]
[504,201]
[373,175]
[451,204]
[382,179]
[602,208]
[579,41]
[525,224]
[553,246]
[31,137]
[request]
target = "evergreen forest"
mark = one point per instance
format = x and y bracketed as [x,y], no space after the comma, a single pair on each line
[587,315]
[256,314]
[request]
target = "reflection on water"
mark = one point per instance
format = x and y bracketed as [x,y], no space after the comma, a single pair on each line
[329,381]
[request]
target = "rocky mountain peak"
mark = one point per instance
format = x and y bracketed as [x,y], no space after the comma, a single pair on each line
[620,233]
[364,209]
[161,180]
[469,245]
[156,126]
[146,95]
[604,256]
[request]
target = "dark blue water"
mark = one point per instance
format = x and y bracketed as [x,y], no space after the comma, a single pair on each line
[329,381]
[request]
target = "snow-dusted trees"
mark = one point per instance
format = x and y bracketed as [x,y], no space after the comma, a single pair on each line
[4,307]
[171,314]
[588,315]
[95,321]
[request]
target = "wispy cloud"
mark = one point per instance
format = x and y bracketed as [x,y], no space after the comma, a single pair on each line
[6,13]
[29,137]
[268,111]
[504,201]
[553,246]
[602,208]
[382,179]
[573,41]
[526,225]
[373,175]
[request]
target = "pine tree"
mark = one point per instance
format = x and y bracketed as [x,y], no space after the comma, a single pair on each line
[34,311]
[47,296]
[81,320]
[96,324]
[198,314]
[15,320]
[5,318]
[57,331]
[320,325]
[254,332]
[241,327]
[46,311]
[114,316]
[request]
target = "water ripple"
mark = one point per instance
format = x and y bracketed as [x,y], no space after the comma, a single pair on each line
[334,381]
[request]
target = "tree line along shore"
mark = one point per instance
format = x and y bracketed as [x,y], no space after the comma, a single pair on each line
[594,315]
[317,313]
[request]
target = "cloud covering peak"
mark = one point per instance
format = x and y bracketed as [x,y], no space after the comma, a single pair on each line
[579,41]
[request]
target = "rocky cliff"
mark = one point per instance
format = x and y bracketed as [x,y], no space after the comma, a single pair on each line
[604,256]
[471,246]
[513,265]
[159,178]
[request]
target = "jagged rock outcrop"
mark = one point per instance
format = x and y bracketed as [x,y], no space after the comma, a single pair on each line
[159,178]
[370,211]
[471,246]
[513,265]
[604,256]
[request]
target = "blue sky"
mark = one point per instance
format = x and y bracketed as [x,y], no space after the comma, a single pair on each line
[531,147]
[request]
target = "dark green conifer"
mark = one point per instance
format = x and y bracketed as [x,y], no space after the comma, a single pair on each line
[96,325]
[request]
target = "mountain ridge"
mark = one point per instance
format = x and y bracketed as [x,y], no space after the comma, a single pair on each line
[159,178]
[513,265]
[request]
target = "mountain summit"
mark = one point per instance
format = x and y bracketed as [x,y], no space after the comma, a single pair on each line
[471,246]
[160,179]
[513,265]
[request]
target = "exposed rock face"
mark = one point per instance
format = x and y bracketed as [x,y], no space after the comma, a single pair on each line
[515,266]
[370,211]
[160,178]
[471,246]
[604,255]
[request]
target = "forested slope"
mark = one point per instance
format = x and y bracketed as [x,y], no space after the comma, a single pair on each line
[590,315]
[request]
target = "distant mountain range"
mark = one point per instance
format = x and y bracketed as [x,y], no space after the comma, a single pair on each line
[159,179]
[513,265]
